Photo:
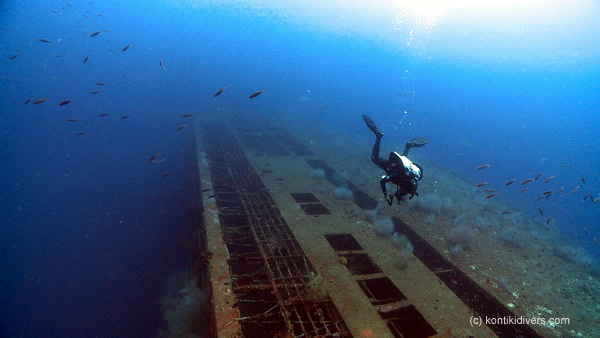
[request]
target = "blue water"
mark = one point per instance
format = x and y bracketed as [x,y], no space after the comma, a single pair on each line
[90,230]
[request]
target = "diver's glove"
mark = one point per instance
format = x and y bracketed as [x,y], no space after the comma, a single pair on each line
[388,199]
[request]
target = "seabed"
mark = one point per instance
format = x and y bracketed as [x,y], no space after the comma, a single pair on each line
[286,257]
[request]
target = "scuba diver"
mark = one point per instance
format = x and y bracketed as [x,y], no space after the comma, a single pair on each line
[398,168]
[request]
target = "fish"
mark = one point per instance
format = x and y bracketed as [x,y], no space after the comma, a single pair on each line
[162,65]
[220,91]
[506,212]
[491,195]
[561,189]
[588,195]
[39,101]
[548,196]
[510,182]
[187,115]
[95,92]
[111,50]
[483,166]
[81,133]
[125,48]
[44,40]
[153,158]
[481,184]
[13,57]
[205,190]
[549,179]
[549,220]
[72,120]
[489,190]
[95,33]
[596,199]
[256,94]
[86,59]
[537,176]
[100,84]
[125,117]
[575,190]
[27,101]
[522,190]
[549,192]
[539,197]
[103,114]
[181,127]
[65,102]
[527,181]
[541,211]
[166,174]
[582,180]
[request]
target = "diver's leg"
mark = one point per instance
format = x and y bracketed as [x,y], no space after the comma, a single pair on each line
[380,162]
[406,149]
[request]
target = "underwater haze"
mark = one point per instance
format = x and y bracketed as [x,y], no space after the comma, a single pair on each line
[99,185]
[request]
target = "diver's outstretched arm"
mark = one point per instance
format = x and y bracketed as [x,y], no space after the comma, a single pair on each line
[382,183]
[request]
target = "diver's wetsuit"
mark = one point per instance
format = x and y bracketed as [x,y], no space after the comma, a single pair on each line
[398,168]
[405,181]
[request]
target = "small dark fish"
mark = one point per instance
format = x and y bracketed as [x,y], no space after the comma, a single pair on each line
[153,158]
[72,120]
[506,212]
[39,101]
[588,195]
[27,101]
[162,65]
[582,180]
[44,40]
[65,102]
[548,196]
[256,94]
[95,33]
[95,92]
[166,174]
[205,190]
[481,184]
[510,182]
[125,117]
[86,59]
[103,114]
[181,127]
[100,84]
[111,50]
[549,192]
[541,212]
[575,190]
[187,115]
[220,91]
[81,133]
[527,181]
[549,220]
[549,179]
[490,195]
[537,176]
[522,190]
[483,166]
[125,48]
[13,57]
[489,190]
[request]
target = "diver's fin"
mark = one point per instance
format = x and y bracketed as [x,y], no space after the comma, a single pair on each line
[418,141]
[372,125]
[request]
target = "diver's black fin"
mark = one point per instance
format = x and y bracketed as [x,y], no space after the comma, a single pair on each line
[418,141]
[372,125]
